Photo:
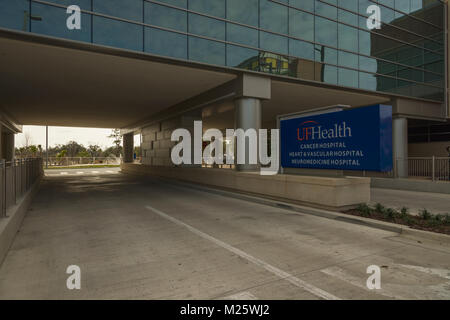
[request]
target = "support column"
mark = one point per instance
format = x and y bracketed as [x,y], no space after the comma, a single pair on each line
[400,144]
[1,143]
[128,148]
[10,146]
[248,115]
[251,91]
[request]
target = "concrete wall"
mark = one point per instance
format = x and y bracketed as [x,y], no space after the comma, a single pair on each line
[324,192]
[156,144]
[10,225]
[437,149]
[156,139]
[2,145]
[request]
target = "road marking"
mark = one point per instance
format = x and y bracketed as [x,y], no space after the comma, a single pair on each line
[64,173]
[443,273]
[441,289]
[241,296]
[278,272]
[95,172]
[341,274]
[80,172]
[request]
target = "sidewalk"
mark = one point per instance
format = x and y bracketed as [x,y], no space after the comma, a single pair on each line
[413,200]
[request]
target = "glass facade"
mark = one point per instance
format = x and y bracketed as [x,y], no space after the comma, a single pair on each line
[320,40]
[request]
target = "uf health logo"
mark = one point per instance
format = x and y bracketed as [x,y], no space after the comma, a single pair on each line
[312,130]
[353,139]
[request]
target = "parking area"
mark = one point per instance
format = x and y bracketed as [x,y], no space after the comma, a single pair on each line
[151,239]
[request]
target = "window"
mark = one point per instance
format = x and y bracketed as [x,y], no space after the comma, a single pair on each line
[206,51]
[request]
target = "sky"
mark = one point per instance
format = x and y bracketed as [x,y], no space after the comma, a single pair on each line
[62,135]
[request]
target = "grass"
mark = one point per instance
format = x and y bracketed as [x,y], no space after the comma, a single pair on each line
[426,220]
[86,167]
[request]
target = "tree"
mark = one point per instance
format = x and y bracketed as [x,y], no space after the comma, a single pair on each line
[73,148]
[62,154]
[111,152]
[83,154]
[33,149]
[94,150]
[117,141]
[27,140]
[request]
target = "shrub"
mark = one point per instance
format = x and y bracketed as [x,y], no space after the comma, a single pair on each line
[379,208]
[390,213]
[404,212]
[364,209]
[446,219]
[433,223]
[409,220]
[425,214]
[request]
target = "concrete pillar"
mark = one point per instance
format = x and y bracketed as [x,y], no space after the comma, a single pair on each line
[10,146]
[248,115]
[447,26]
[1,142]
[251,90]
[400,144]
[128,148]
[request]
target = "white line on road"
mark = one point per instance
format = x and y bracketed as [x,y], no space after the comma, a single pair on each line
[278,272]
[341,274]
[95,172]
[443,273]
[241,296]
[80,172]
[64,173]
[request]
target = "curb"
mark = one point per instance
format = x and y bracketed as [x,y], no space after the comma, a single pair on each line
[382,225]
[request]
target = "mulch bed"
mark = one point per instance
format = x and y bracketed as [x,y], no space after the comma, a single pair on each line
[414,222]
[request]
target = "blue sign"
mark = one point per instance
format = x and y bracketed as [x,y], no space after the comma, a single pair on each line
[355,139]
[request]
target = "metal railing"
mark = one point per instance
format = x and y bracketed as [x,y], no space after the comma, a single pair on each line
[434,168]
[81,161]
[16,178]
[427,168]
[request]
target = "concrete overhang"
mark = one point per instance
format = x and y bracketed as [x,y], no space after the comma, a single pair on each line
[7,124]
[43,81]
[289,97]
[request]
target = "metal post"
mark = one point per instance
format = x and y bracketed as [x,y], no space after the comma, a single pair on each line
[395,168]
[433,168]
[46,147]
[13,169]
[3,169]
